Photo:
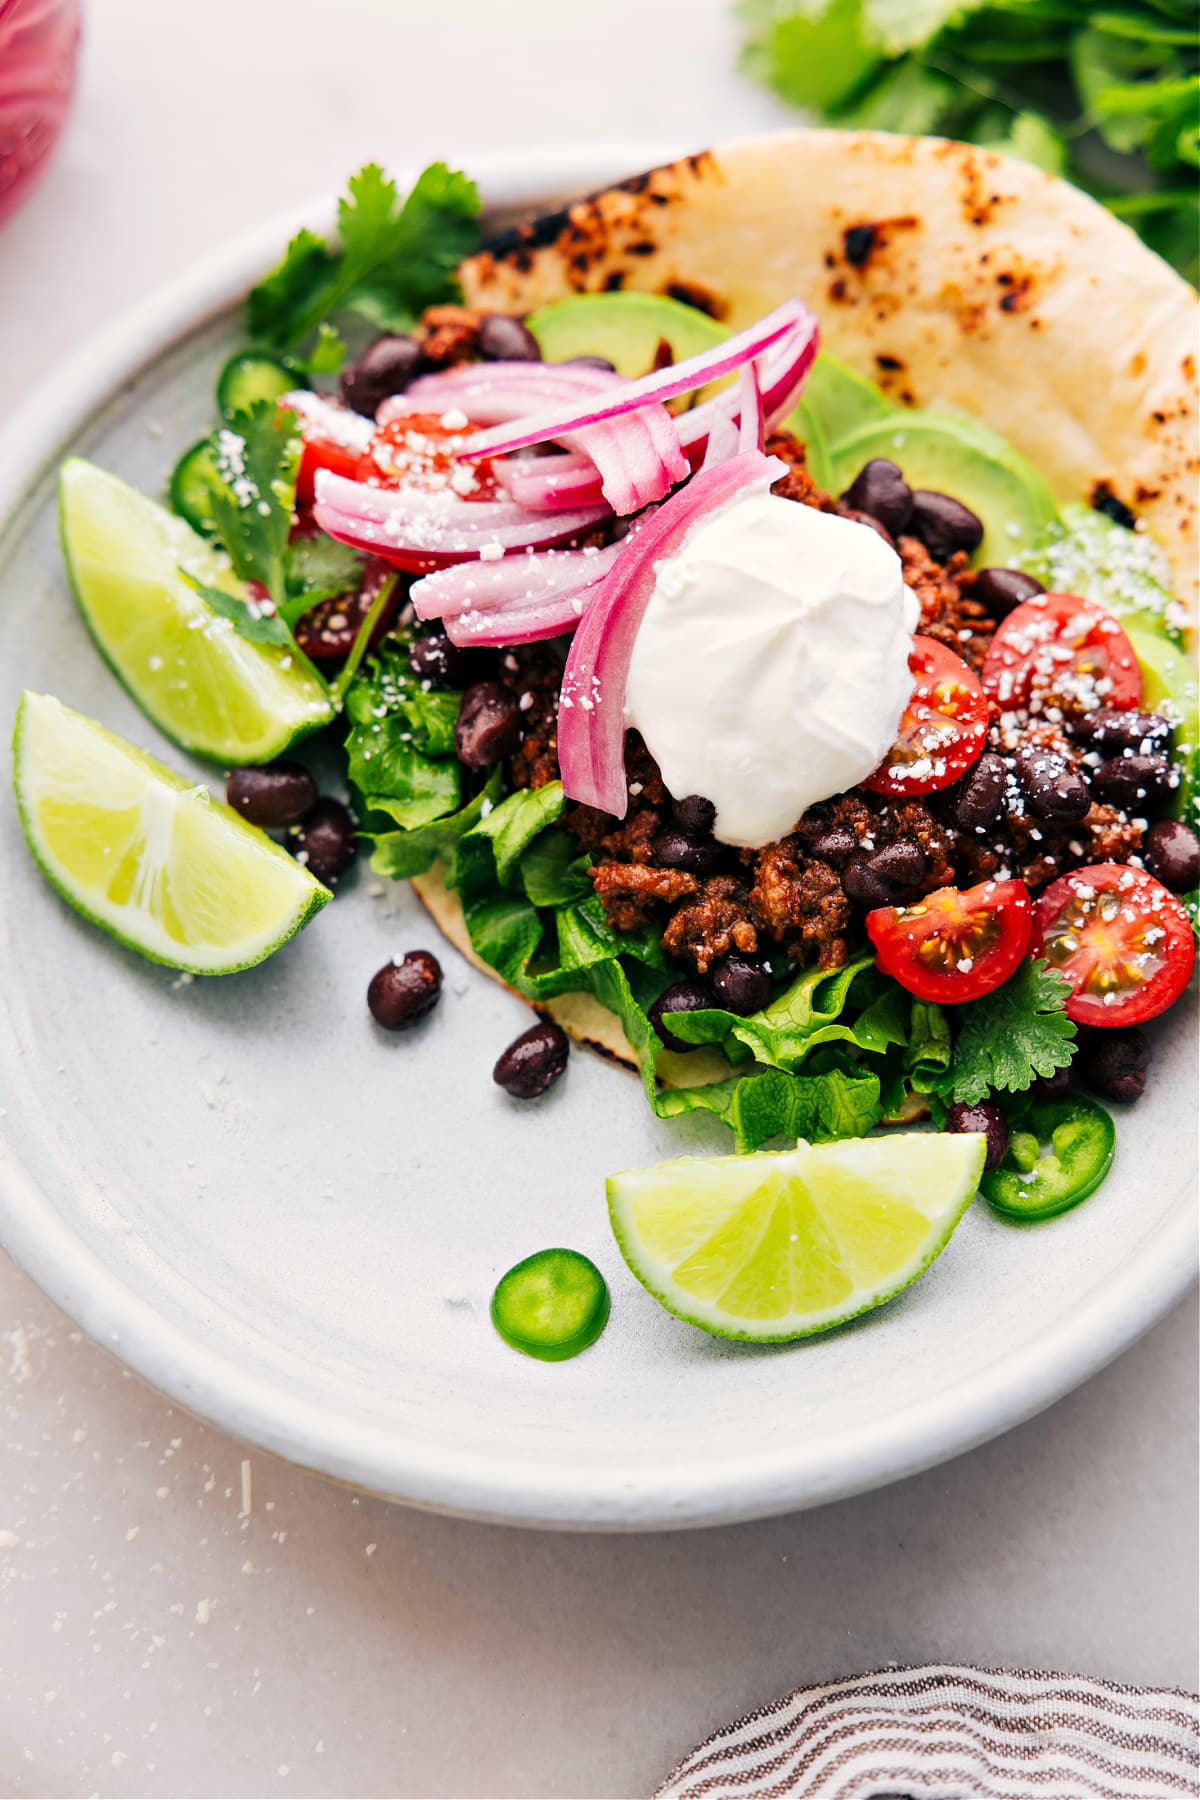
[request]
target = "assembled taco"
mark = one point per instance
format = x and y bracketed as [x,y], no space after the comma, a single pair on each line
[990,338]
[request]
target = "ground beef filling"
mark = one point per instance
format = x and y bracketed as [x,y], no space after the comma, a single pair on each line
[805,898]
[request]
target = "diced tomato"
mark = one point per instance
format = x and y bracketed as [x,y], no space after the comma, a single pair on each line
[323,453]
[1058,651]
[954,944]
[1122,940]
[943,728]
[420,450]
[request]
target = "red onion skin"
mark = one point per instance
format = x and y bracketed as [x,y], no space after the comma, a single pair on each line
[790,319]
[571,480]
[517,583]
[591,723]
[435,530]
[527,626]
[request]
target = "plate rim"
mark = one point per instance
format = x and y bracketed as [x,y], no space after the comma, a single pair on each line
[264,1412]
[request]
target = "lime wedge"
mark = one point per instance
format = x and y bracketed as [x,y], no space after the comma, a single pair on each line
[203,685]
[147,856]
[782,1244]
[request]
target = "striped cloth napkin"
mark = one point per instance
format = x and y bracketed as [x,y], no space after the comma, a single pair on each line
[946,1732]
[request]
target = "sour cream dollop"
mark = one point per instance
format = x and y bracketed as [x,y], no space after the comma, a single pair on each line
[770,669]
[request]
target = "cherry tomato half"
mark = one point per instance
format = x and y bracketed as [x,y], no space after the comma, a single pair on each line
[956,943]
[323,453]
[943,728]
[1122,940]
[420,450]
[1058,651]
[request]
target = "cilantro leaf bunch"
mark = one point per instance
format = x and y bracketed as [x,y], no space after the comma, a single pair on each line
[1007,1038]
[1108,96]
[393,258]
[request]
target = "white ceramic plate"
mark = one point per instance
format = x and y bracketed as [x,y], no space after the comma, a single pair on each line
[293,1226]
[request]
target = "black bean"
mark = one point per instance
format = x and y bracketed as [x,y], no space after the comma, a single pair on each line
[328,631]
[881,490]
[276,796]
[1003,590]
[865,518]
[325,842]
[1114,1063]
[674,848]
[944,524]
[835,846]
[1172,855]
[1054,1087]
[593,362]
[681,996]
[983,1116]
[1134,782]
[883,876]
[979,801]
[741,983]
[489,725]
[1053,789]
[694,813]
[533,1062]
[1112,729]
[404,992]
[433,658]
[385,367]
[863,886]
[503,338]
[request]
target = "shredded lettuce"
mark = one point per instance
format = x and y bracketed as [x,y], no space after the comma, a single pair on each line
[812,1064]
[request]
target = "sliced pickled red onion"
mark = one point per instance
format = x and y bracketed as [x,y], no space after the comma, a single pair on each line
[792,321]
[495,392]
[524,625]
[517,583]
[410,527]
[591,722]
[632,460]
[751,427]
[545,483]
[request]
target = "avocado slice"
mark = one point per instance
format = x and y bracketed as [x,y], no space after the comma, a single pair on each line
[836,403]
[1169,686]
[625,327]
[841,400]
[954,454]
[1123,570]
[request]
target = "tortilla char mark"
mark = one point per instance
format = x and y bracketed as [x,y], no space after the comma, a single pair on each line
[596,244]
[939,269]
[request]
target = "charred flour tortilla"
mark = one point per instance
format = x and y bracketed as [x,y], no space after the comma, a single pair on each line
[940,271]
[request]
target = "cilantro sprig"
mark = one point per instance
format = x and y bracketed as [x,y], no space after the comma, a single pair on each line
[1009,1037]
[1108,96]
[255,459]
[393,259]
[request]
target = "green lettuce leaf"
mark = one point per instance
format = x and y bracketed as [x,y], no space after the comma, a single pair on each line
[807,1015]
[401,742]
[402,854]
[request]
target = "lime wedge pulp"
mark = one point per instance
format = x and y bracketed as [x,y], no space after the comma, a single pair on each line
[210,690]
[782,1244]
[147,856]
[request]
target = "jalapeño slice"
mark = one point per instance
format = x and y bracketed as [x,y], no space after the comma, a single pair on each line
[552,1305]
[1059,1152]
